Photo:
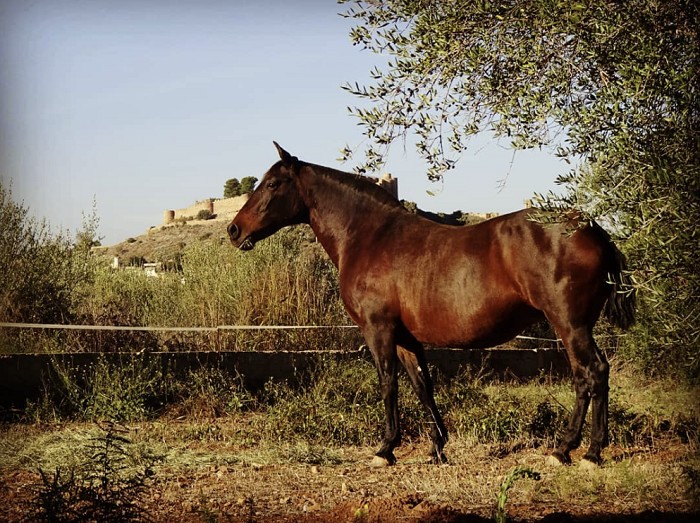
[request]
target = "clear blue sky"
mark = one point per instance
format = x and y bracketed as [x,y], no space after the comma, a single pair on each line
[148,105]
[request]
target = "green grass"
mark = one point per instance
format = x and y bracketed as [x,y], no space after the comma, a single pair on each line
[338,403]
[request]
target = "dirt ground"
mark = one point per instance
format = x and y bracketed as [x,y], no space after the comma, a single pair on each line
[204,481]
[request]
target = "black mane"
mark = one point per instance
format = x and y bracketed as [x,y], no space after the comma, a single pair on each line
[363,185]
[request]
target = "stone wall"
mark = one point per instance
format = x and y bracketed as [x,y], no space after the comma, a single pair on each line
[24,377]
[223,208]
[389,184]
[226,208]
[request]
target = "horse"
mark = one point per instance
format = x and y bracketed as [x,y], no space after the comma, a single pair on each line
[407,281]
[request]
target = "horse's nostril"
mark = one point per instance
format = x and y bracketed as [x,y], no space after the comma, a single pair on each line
[233,231]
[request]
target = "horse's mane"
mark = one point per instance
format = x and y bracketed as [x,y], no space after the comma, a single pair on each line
[363,185]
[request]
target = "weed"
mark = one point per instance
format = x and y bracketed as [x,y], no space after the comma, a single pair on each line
[123,389]
[361,513]
[105,487]
[500,515]
[336,403]
[127,388]
[309,454]
[692,472]
[208,514]
[59,497]
[209,392]
[547,422]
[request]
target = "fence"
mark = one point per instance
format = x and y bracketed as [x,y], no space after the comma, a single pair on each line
[23,376]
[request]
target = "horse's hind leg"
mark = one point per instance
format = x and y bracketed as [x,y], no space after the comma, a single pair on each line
[590,371]
[599,377]
[413,360]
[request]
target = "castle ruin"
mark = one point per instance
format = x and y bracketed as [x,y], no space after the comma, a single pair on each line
[217,208]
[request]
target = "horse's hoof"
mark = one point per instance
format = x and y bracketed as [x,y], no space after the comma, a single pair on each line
[558,457]
[587,464]
[379,462]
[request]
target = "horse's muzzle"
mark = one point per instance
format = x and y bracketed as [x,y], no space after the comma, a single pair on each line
[234,233]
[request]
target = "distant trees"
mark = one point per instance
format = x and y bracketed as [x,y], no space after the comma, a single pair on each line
[234,187]
[248,184]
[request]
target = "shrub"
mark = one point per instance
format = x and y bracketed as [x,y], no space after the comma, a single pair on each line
[41,270]
[104,487]
[209,392]
[120,389]
[204,214]
[336,403]
[44,274]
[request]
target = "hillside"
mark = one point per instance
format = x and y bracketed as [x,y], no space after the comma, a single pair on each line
[167,243]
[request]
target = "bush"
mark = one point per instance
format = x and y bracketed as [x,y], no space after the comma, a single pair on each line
[204,214]
[121,389]
[336,403]
[105,487]
[285,281]
[135,388]
[209,393]
[41,270]
[44,275]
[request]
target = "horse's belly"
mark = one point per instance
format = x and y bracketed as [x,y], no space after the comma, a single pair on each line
[472,327]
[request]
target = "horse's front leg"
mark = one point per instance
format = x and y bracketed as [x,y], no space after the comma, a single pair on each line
[382,345]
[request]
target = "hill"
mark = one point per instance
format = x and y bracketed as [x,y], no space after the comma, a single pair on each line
[166,243]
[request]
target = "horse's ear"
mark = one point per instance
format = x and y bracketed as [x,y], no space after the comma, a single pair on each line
[287,159]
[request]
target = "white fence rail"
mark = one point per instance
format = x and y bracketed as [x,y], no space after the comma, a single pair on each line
[218,328]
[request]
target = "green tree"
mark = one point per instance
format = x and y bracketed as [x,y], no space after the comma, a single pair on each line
[248,184]
[609,86]
[232,188]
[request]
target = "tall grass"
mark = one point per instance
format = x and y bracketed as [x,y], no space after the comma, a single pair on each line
[286,280]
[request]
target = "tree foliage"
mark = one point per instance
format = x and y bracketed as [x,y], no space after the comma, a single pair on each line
[609,86]
[40,271]
[248,184]
[234,187]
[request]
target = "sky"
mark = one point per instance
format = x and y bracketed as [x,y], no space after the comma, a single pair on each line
[142,106]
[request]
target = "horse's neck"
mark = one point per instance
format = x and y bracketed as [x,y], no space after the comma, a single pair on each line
[340,212]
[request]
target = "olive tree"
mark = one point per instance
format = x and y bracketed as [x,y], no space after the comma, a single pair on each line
[609,86]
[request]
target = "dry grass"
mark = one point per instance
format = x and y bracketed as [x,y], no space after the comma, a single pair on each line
[304,454]
[210,471]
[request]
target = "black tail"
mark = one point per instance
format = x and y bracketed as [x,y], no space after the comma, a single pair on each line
[621,305]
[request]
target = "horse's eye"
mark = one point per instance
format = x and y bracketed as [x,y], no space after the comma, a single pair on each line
[273,184]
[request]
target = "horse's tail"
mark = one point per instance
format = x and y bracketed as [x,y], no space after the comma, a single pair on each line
[621,304]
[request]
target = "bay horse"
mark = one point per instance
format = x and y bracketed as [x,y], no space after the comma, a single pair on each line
[408,281]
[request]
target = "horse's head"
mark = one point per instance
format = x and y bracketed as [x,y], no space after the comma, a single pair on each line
[275,203]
